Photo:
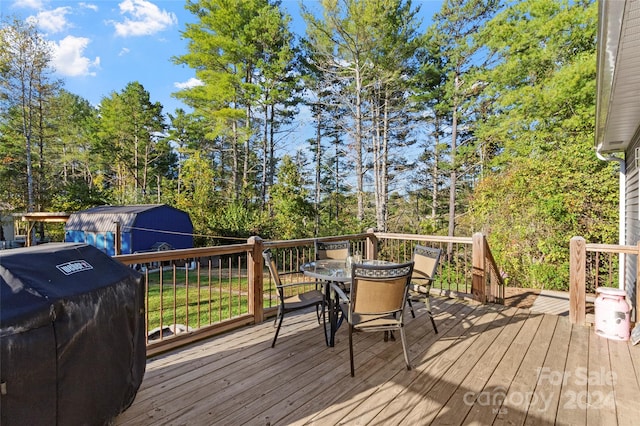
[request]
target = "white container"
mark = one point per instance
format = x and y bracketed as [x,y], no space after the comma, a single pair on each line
[612,314]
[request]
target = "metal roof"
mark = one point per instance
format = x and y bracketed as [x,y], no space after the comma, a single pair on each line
[618,79]
[104,218]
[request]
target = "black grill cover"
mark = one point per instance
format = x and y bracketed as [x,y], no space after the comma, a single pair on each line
[72,336]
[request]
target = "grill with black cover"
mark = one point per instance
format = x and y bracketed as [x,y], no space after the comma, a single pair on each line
[72,335]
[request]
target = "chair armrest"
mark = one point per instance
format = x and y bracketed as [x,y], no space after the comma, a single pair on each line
[418,275]
[283,274]
[296,284]
[341,295]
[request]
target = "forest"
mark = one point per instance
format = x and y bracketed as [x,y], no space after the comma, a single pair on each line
[483,122]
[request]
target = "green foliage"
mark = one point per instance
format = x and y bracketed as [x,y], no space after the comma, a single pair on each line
[76,195]
[128,145]
[292,213]
[196,196]
[236,220]
[545,184]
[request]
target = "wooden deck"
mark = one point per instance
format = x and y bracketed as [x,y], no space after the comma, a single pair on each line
[489,364]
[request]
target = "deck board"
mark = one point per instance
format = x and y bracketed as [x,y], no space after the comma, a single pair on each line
[487,404]
[626,391]
[513,406]
[484,367]
[572,407]
[545,399]
[459,404]
[601,410]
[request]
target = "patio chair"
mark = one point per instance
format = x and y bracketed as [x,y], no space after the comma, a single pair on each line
[296,301]
[425,267]
[332,250]
[377,300]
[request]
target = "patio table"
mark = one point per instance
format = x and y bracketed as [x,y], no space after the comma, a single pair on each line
[333,271]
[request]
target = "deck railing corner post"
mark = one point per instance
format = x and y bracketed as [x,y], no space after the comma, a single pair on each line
[255,278]
[577,280]
[371,249]
[479,271]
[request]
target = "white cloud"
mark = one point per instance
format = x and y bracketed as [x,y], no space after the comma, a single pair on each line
[68,57]
[88,6]
[192,82]
[29,4]
[124,51]
[52,21]
[143,18]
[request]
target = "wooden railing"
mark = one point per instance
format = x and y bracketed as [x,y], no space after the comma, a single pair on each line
[593,266]
[193,294]
[467,267]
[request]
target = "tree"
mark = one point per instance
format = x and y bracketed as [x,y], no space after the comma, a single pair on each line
[395,64]
[74,172]
[26,86]
[341,44]
[362,54]
[196,196]
[129,132]
[292,212]
[453,30]
[545,185]
[241,52]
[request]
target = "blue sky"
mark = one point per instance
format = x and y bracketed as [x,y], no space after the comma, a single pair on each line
[100,46]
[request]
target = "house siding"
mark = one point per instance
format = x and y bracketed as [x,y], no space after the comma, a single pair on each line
[632,217]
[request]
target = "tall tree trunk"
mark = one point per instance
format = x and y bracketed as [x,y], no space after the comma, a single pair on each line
[265,157]
[318,168]
[385,163]
[453,176]
[358,145]
[435,170]
[235,176]
[245,163]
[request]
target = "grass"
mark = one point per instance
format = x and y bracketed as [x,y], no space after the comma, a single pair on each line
[217,297]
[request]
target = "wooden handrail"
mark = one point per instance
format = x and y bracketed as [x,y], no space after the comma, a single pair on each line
[610,248]
[431,238]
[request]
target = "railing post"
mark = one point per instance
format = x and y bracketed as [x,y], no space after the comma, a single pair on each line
[118,239]
[255,279]
[479,271]
[577,280]
[371,249]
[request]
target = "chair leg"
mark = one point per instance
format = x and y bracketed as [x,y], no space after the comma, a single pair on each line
[324,325]
[413,314]
[351,350]
[433,323]
[320,314]
[280,317]
[427,304]
[404,348]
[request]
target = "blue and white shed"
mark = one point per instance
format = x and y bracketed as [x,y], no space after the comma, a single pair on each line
[144,227]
